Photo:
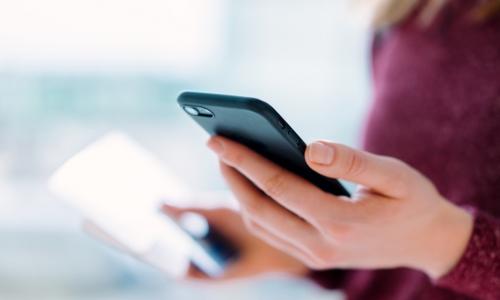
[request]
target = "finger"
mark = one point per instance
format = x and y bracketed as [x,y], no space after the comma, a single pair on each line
[385,175]
[289,190]
[266,212]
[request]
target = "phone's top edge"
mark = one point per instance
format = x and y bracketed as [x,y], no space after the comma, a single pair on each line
[258,106]
[254,104]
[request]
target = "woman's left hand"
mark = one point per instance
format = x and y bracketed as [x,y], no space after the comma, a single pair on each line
[397,218]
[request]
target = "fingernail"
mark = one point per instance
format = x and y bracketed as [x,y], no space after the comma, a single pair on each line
[215,145]
[320,153]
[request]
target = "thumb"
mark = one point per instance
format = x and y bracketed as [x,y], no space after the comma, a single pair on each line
[386,175]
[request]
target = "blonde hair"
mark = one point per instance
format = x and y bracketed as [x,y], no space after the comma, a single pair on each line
[389,12]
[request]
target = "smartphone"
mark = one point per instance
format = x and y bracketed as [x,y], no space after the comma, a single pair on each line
[255,124]
[118,186]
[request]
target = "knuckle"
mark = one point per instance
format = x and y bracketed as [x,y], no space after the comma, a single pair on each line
[355,164]
[336,232]
[276,185]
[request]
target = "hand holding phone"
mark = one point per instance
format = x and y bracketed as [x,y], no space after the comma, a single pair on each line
[396,216]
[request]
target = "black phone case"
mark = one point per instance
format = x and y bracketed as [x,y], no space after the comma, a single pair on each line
[255,124]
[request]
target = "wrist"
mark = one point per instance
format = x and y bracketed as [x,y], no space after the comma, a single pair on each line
[446,239]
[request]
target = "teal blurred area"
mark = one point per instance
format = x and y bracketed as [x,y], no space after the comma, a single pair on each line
[71,73]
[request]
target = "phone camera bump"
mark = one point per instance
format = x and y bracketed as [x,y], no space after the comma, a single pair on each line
[203,112]
[191,110]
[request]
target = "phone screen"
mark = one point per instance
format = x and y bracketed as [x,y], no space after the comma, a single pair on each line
[119,186]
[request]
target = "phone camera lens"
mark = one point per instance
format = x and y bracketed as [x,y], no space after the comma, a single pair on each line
[191,110]
[204,112]
[198,111]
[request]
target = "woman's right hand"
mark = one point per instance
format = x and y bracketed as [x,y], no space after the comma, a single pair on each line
[256,257]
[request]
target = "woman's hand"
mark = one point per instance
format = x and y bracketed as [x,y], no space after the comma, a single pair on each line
[256,257]
[397,218]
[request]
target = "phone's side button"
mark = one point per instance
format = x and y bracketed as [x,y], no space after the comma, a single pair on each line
[281,124]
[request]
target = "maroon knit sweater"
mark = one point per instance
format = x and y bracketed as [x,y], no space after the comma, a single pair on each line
[437,107]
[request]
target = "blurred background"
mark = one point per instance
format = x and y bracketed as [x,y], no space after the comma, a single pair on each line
[70,71]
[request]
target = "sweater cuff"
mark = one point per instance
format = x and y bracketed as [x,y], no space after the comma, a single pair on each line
[478,271]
